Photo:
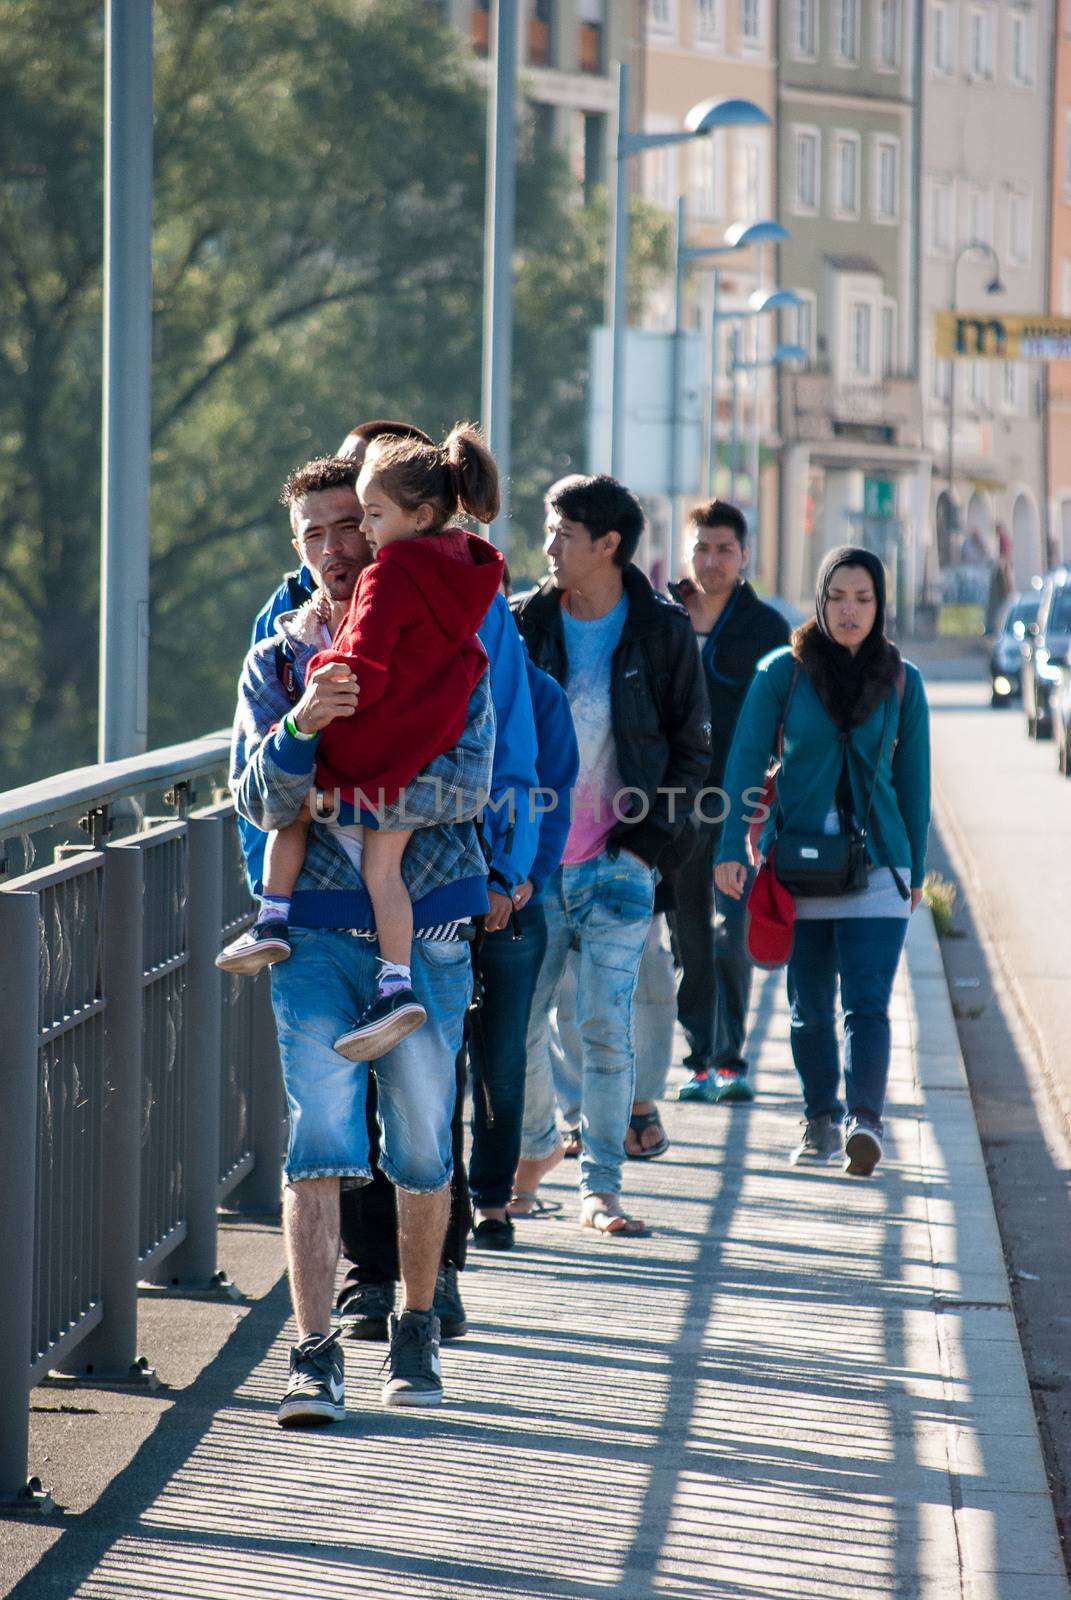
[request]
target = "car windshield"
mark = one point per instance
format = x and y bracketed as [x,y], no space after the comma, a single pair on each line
[1060,615]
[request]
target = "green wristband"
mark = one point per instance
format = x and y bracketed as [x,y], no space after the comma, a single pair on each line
[292,728]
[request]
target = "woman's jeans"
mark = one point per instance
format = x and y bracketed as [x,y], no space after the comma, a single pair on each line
[865,953]
[509,968]
[601,908]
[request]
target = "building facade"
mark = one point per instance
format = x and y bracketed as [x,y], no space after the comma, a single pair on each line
[854,465]
[1058,375]
[987,142]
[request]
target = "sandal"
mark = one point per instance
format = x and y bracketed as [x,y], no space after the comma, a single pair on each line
[602,1213]
[538,1206]
[572,1143]
[638,1123]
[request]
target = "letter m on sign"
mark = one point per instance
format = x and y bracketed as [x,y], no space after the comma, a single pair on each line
[980,339]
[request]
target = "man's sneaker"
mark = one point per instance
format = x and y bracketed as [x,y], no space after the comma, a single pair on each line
[447,1305]
[700,1086]
[731,1088]
[387,1021]
[862,1147]
[260,946]
[316,1392]
[363,1313]
[413,1375]
[821,1143]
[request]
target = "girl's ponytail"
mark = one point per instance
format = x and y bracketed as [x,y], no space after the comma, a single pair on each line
[473,469]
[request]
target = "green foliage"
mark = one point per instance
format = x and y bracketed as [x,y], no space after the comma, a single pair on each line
[318,258]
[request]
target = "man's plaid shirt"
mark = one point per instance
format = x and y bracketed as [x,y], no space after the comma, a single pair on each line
[272,772]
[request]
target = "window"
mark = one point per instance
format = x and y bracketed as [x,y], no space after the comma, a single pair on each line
[804,335]
[861,323]
[706,23]
[662,18]
[806,155]
[943,27]
[591,24]
[940,215]
[981,48]
[980,212]
[846,31]
[750,168]
[1023,71]
[1019,224]
[708,164]
[887,34]
[846,174]
[803,40]
[978,384]
[660,177]
[888,338]
[886,201]
[750,23]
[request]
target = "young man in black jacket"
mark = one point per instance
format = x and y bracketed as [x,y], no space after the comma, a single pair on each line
[628,662]
[735,629]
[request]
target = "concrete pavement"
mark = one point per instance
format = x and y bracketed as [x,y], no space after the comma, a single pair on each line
[801,1385]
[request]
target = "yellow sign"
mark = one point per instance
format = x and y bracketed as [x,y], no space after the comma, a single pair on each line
[981,336]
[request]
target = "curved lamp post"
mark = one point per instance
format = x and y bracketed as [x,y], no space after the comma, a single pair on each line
[994,286]
[762,301]
[783,355]
[702,119]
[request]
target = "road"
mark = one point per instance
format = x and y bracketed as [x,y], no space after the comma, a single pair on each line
[1003,836]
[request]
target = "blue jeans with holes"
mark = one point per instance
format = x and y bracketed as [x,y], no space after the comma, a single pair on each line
[601,908]
[319,993]
[865,953]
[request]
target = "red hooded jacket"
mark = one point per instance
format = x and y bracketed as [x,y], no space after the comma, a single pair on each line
[409,638]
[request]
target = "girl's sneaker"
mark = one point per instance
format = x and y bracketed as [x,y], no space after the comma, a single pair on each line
[387,1021]
[260,946]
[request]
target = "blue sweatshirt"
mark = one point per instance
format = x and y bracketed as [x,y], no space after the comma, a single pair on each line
[508,826]
[557,765]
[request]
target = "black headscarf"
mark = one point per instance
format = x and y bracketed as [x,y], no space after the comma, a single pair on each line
[849,687]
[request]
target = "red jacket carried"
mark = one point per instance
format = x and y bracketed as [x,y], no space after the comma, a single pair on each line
[409,638]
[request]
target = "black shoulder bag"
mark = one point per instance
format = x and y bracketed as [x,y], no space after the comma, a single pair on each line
[812,864]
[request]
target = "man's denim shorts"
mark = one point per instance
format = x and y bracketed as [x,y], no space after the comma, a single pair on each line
[319,993]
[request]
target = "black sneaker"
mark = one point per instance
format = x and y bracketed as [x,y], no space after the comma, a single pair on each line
[260,946]
[821,1143]
[413,1375]
[447,1305]
[363,1313]
[491,1233]
[316,1392]
[862,1147]
[385,1023]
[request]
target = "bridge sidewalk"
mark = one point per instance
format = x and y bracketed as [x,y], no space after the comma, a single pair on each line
[801,1385]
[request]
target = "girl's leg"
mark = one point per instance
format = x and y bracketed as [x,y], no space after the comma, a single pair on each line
[812,978]
[284,857]
[868,954]
[381,869]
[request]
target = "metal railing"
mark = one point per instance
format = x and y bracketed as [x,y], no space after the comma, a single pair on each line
[139,1086]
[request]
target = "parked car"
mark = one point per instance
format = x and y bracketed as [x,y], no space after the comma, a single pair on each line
[1006,656]
[1061,720]
[1045,651]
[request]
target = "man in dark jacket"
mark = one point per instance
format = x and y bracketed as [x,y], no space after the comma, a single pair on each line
[629,665]
[735,629]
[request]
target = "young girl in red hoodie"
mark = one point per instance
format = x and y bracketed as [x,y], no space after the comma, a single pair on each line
[409,638]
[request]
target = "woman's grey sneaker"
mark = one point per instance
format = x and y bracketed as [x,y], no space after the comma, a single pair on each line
[260,946]
[364,1312]
[821,1143]
[387,1021]
[862,1147]
[413,1375]
[447,1305]
[316,1392]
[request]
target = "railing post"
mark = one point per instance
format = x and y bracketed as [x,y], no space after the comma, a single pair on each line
[194,1262]
[262,1188]
[110,1351]
[19,1002]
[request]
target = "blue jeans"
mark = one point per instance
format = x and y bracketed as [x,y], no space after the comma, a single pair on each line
[510,968]
[319,993]
[865,953]
[601,908]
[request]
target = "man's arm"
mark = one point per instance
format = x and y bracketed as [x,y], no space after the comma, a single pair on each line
[271,772]
[510,831]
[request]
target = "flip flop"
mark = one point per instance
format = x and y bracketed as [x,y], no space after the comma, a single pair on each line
[540,1207]
[638,1122]
[611,1224]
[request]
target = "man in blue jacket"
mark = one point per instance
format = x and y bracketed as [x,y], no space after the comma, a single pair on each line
[369,1230]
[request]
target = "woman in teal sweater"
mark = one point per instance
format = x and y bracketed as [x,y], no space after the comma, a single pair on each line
[856,731]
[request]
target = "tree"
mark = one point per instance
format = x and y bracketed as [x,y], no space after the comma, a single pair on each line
[318,213]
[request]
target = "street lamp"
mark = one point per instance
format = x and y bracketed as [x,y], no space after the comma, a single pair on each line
[761,301]
[994,286]
[739,236]
[781,356]
[703,119]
